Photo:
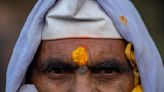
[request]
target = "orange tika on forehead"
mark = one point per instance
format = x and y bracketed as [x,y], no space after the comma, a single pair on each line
[80,56]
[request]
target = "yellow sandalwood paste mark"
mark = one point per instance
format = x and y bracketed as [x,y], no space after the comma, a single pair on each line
[123,20]
[80,56]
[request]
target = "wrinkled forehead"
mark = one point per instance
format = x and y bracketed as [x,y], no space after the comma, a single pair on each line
[98,50]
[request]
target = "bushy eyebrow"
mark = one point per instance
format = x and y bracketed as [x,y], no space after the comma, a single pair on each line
[56,63]
[112,64]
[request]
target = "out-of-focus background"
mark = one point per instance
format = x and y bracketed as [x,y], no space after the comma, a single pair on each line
[14,13]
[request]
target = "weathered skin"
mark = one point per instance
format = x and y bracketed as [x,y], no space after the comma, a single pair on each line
[81,78]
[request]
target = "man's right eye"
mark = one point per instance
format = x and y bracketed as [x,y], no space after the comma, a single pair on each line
[59,70]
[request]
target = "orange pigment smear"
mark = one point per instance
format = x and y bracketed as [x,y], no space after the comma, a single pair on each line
[123,20]
[80,56]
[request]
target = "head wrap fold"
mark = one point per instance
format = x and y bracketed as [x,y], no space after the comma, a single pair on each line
[78,19]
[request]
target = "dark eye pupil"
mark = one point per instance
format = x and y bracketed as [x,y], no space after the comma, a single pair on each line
[103,70]
[106,70]
[58,71]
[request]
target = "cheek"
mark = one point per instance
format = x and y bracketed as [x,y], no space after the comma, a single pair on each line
[123,83]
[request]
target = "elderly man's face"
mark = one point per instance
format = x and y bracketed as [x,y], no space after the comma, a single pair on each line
[107,68]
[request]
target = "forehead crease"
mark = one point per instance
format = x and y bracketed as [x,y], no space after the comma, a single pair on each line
[47,53]
[97,48]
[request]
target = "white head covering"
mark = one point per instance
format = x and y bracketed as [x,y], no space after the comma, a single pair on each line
[78,19]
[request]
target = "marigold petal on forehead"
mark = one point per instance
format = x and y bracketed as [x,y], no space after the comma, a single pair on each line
[80,56]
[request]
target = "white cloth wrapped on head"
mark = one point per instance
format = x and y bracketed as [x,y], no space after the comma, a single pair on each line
[78,19]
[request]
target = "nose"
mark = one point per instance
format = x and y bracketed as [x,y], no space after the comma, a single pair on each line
[83,83]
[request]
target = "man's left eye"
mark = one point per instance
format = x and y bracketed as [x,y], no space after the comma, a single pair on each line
[103,70]
[106,70]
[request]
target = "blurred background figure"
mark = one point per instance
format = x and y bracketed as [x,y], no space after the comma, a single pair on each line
[14,13]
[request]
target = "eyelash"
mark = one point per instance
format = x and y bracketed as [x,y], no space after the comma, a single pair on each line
[105,70]
[101,75]
[60,70]
[59,73]
[104,73]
